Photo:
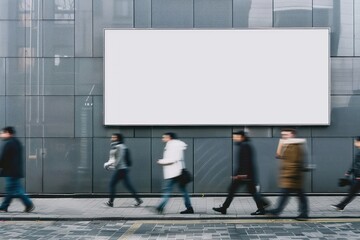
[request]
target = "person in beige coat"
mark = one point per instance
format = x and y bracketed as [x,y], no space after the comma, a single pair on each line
[291,154]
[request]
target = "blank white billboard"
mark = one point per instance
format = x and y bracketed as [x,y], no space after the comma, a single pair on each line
[217,77]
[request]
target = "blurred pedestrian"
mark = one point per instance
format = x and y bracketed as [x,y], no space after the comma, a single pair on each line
[245,174]
[11,164]
[118,163]
[292,165]
[355,185]
[173,163]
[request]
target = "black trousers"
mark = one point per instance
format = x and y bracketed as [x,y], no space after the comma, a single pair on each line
[355,187]
[251,187]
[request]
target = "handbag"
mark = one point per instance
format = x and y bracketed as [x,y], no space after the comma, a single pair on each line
[344,182]
[185,177]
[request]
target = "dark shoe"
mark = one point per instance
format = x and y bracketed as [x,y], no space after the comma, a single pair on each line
[29,208]
[266,204]
[3,210]
[258,212]
[188,211]
[302,217]
[221,210]
[159,210]
[109,204]
[138,203]
[337,208]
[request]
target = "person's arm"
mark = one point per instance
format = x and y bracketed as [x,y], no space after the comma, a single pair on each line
[278,150]
[109,163]
[120,154]
[351,169]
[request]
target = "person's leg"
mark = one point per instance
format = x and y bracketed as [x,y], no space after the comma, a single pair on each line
[20,193]
[232,189]
[265,202]
[186,196]
[112,186]
[282,201]
[9,193]
[256,195]
[167,189]
[303,203]
[129,186]
[355,187]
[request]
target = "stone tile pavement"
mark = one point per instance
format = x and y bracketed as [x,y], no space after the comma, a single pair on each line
[179,230]
[93,209]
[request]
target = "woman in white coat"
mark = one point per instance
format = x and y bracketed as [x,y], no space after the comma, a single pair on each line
[173,163]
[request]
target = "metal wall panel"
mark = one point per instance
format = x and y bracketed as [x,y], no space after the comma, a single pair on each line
[50,116]
[293,13]
[252,13]
[67,165]
[345,110]
[333,157]
[110,14]
[12,38]
[83,28]
[142,13]
[89,76]
[212,165]
[339,16]
[213,14]
[34,165]
[172,14]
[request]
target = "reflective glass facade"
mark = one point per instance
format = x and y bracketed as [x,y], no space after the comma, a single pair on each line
[51,90]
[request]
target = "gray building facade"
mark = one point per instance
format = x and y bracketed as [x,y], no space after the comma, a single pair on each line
[51,90]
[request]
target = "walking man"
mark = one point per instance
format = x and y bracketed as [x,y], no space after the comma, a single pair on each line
[355,186]
[244,175]
[173,163]
[291,154]
[11,166]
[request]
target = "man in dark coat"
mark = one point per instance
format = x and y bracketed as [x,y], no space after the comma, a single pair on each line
[11,167]
[244,175]
[355,184]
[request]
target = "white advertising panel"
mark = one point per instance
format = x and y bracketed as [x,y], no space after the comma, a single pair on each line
[216,77]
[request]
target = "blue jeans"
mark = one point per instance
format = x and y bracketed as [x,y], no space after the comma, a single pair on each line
[282,201]
[167,189]
[121,174]
[14,190]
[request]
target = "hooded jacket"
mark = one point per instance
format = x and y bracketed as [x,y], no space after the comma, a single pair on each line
[173,159]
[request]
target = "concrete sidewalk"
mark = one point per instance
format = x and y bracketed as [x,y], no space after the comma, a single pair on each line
[79,209]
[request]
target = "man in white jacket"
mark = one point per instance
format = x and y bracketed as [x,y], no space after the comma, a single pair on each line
[173,163]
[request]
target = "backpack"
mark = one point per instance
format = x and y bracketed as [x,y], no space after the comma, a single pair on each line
[128,160]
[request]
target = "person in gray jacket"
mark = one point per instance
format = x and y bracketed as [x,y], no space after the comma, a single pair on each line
[117,163]
[355,186]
